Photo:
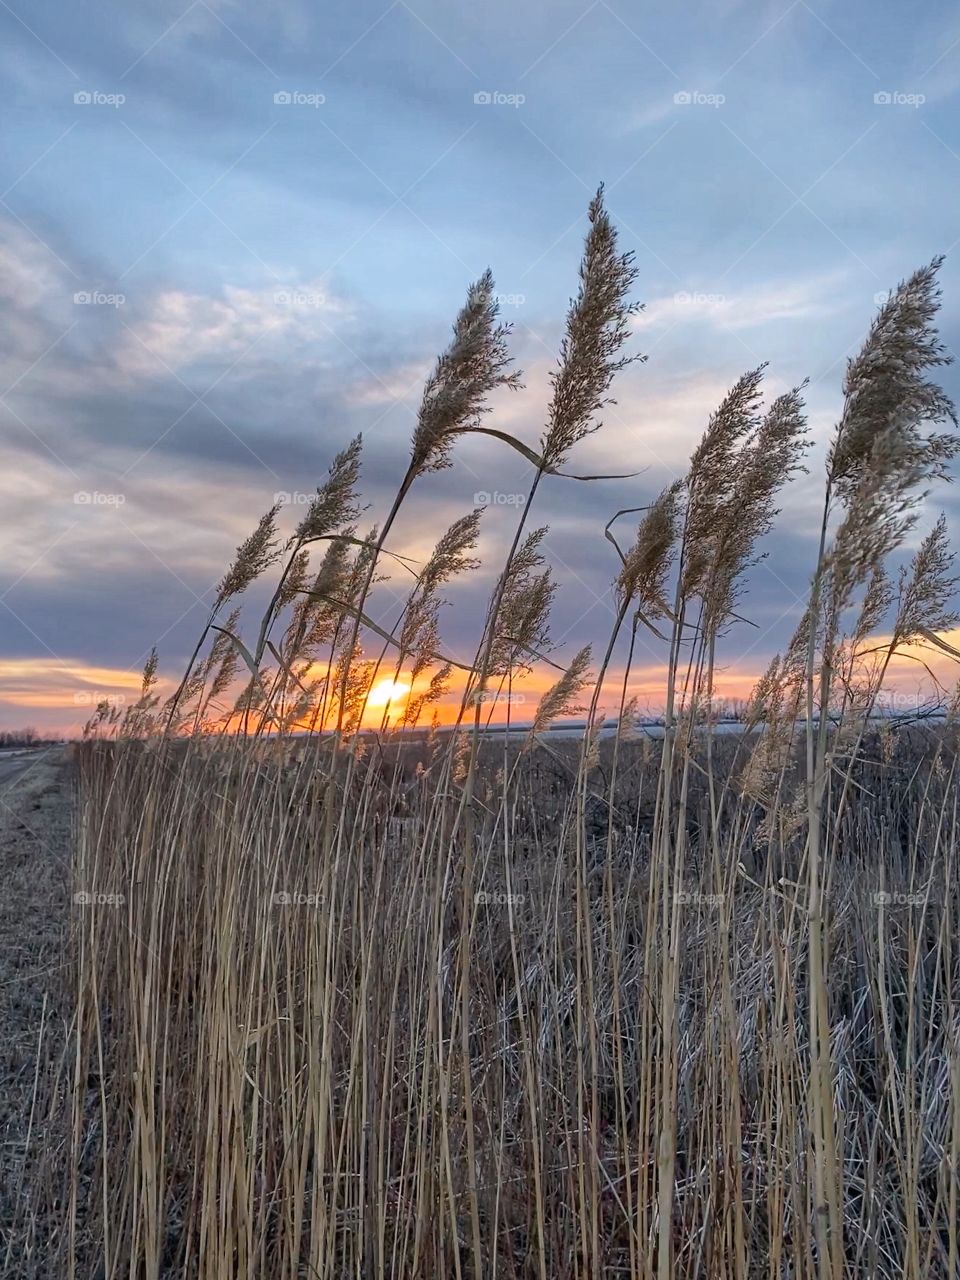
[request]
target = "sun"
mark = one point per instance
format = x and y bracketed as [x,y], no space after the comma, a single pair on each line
[387,692]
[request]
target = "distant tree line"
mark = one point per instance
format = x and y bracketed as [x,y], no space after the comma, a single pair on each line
[28,737]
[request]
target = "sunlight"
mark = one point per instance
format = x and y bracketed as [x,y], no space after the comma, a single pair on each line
[387,692]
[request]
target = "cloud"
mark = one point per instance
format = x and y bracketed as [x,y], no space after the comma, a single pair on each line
[66,693]
[180,329]
[786,300]
[398,384]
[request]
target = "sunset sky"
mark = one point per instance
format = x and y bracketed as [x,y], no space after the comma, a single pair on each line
[234,235]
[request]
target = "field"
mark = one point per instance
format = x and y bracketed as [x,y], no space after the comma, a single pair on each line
[268,1073]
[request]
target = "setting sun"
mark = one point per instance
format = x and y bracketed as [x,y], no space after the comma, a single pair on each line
[387,692]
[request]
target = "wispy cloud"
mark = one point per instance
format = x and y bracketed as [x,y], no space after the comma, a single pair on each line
[763,304]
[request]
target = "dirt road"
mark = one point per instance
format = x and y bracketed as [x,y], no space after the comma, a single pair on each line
[35,835]
[15,763]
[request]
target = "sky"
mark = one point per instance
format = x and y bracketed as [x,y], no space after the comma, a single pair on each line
[234,235]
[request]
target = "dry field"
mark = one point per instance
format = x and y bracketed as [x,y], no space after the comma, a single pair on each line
[291,1031]
[270,1069]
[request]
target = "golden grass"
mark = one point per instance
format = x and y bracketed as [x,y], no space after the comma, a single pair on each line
[269,1066]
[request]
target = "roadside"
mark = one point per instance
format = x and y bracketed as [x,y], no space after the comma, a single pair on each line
[36,804]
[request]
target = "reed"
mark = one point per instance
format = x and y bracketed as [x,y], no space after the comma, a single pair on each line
[437,1005]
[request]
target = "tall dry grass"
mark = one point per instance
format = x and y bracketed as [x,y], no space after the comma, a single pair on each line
[383,1005]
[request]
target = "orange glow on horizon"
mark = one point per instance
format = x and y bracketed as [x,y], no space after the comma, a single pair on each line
[63,693]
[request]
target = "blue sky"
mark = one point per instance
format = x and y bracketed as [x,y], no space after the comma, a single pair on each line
[270,276]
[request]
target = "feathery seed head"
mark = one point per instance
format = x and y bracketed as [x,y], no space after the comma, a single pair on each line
[420,631]
[451,554]
[927,588]
[596,330]
[886,393]
[765,461]
[561,698]
[714,472]
[472,366]
[881,508]
[876,601]
[295,581]
[149,674]
[253,557]
[523,618]
[335,503]
[643,577]
[439,684]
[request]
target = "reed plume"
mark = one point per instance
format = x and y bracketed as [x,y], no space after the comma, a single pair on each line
[254,556]
[474,364]
[597,327]
[561,698]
